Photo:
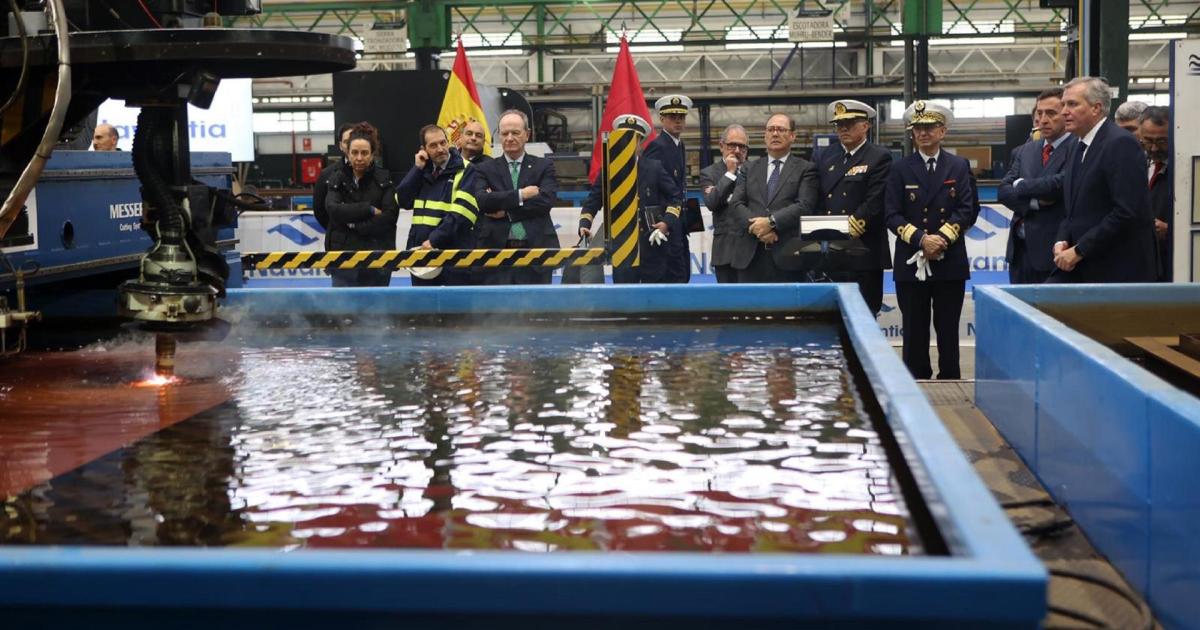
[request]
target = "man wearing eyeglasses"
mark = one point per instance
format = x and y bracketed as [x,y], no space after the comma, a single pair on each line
[717,181]
[1154,130]
[767,203]
[853,175]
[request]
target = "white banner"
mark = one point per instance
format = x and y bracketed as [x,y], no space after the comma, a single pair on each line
[226,126]
[299,231]
[1185,132]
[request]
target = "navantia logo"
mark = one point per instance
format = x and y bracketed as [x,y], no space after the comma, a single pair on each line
[988,224]
[1194,65]
[300,233]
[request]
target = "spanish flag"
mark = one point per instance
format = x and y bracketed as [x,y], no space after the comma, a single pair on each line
[461,104]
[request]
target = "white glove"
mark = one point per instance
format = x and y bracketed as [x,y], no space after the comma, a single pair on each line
[923,268]
[657,237]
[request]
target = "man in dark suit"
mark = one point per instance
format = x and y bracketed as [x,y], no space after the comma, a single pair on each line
[518,193]
[667,148]
[1154,131]
[930,204]
[659,201]
[1108,233]
[718,181]
[1035,222]
[853,176]
[771,195]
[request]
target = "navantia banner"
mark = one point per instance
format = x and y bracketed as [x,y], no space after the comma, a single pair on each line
[226,126]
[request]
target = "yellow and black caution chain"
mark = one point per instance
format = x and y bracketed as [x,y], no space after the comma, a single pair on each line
[403,259]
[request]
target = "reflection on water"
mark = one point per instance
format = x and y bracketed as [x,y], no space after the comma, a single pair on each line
[621,437]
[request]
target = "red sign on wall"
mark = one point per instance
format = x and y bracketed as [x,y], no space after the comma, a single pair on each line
[310,169]
[307,144]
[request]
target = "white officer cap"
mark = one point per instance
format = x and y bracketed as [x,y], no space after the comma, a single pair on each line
[849,109]
[634,122]
[673,104]
[927,113]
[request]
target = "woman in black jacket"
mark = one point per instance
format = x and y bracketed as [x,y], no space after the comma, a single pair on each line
[362,210]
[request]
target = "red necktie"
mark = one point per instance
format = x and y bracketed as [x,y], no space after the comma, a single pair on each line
[1157,172]
[1046,153]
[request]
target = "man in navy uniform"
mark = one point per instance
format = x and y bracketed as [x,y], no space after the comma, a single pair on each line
[1035,219]
[929,204]
[718,181]
[1108,232]
[853,175]
[668,148]
[659,201]
[519,191]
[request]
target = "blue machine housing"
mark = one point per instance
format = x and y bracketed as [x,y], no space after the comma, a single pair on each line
[990,579]
[1112,442]
[85,218]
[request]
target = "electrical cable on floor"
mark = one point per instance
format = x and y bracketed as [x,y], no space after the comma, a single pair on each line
[1038,529]
[1052,525]
[1145,617]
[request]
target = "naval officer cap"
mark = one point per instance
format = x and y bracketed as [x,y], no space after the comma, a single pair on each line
[927,113]
[630,121]
[673,104]
[849,109]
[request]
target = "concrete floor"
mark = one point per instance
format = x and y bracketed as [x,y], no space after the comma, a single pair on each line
[966,359]
[1076,601]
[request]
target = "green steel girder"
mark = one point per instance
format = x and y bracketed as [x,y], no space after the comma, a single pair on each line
[432,23]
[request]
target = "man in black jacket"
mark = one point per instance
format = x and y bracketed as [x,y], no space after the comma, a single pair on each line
[853,177]
[717,181]
[518,191]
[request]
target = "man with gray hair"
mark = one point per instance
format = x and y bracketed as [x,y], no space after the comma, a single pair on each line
[1108,232]
[517,194]
[1128,114]
[717,181]
[105,138]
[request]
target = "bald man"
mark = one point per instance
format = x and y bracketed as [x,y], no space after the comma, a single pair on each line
[105,138]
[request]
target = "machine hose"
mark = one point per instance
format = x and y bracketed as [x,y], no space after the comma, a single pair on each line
[62,98]
[147,156]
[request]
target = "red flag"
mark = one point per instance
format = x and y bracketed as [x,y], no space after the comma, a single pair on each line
[624,97]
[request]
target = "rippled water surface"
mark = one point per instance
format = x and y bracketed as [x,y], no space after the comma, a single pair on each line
[618,436]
